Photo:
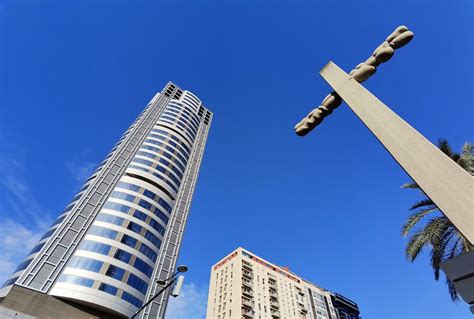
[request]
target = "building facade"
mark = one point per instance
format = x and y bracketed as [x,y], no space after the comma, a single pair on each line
[122,232]
[243,285]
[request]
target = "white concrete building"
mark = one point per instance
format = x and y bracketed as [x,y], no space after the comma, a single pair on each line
[122,231]
[243,285]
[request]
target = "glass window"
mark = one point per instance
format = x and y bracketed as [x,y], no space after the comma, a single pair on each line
[161,215]
[149,194]
[48,233]
[60,219]
[140,215]
[134,227]
[85,263]
[153,239]
[103,232]
[144,204]
[128,186]
[108,289]
[129,241]
[103,217]
[115,272]
[131,299]
[165,205]
[117,207]
[37,248]
[157,226]
[137,283]
[122,256]
[147,251]
[23,265]
[94,246]
[76,280]
[10,282]
[124,196]
[143,267]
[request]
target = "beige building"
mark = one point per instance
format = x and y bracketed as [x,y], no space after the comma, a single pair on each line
[244,285]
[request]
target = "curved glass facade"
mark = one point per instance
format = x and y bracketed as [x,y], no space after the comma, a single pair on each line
[117,259]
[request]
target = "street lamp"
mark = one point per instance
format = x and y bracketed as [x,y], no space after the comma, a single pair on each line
[166,284]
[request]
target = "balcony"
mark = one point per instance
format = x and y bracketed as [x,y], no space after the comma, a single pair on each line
[271,278]
[248,302]
[272,284]
[247,283]
[274,304]
[273,294]
[247,313]
[247,291]
[247,265]
[247,274]
[303,310]
[275,313]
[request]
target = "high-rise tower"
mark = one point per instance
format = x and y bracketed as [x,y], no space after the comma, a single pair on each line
[122,231]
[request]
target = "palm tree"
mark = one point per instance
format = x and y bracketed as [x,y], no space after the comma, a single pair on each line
[438,233]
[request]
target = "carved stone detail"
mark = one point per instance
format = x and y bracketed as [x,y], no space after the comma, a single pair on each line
[384,52]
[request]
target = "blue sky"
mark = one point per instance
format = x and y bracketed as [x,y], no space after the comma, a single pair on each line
[75,74]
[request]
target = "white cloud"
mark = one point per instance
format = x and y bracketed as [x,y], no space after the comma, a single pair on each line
[15,242]
[23,219]
[80,170]
[190,304]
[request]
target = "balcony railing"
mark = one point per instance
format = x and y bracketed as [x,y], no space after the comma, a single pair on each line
[248,313]
[247,283]
[274,304]
[275,313]
[247,265]
[248,303]
[247,273]
[247,291]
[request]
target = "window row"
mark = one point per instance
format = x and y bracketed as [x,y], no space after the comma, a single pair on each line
[161,160]
[126,240]
[137,214]
[171,135]
[163,178]
[171,156]
[186,109]
[159,168]
[86,282]
[173,160]
[169,148]
[181,124]
[167,141]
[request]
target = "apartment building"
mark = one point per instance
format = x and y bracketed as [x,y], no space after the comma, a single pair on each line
[243,285]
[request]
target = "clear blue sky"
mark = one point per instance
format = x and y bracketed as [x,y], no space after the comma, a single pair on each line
[75,74]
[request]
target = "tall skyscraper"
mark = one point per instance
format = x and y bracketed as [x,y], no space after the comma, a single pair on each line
[244,285]
[122,232]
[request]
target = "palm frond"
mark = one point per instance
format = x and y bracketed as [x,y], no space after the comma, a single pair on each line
[454,249]
[410,185]
[424,237]
[423,203]
[466,159]
[439,244]
[444,146]
[415,245]
[452,290]
[414,219]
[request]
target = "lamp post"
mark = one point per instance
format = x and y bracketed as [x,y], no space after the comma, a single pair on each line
[166,284]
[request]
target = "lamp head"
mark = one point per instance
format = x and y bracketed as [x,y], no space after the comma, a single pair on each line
[182,268]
